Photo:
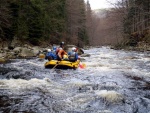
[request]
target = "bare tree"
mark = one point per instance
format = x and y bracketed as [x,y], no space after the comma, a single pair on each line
[75,19]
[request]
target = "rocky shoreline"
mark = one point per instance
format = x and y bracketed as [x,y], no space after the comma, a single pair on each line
[141,47]
[17,50]
[27,51]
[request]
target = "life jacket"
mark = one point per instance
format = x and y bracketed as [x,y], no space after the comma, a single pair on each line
[73,56]
[57,50]
[60,53]
[51,56]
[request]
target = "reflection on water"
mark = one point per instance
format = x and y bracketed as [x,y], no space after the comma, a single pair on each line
[114,81]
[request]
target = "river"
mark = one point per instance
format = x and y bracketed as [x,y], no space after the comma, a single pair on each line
[114,81]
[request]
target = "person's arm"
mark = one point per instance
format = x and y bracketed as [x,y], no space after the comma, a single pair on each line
[65,52]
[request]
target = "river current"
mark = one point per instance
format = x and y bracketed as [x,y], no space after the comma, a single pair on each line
[114,81]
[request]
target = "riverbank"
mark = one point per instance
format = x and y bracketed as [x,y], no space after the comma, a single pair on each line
[25,51]
[141,47]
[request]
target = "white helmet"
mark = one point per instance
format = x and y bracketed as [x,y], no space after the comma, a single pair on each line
[48,50]
[73,49]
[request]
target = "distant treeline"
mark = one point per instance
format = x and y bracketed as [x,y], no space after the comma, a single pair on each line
[127,23]
[43,21]
[52,21]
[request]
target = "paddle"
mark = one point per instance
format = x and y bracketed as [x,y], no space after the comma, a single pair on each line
[82,65]
[56,64]
[42,56]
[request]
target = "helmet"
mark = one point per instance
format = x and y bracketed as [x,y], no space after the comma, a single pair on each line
[74,49]
[48,50]
[62,43]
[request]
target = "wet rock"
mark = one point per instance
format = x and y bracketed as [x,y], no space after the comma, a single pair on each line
[36,50]
[17,49]
[85,55]
[3,71]
[8,73]
[2,60]
[4,101]
[145,86]
[10,55]
[1,55]
[26,53]
[82,59]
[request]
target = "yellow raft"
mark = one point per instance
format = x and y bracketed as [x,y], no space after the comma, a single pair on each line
[62,64]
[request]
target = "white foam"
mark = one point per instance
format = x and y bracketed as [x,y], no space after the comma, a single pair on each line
[110,96]
[78,82]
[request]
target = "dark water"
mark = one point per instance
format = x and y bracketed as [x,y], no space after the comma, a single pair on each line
[112,82]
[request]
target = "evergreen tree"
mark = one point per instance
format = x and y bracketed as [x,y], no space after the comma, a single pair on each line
[5,20]
[89,22]
[43,20]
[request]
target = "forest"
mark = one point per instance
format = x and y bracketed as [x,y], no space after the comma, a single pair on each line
[43,22]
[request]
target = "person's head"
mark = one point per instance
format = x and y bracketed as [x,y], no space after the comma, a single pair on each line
[62,44]
[74,49]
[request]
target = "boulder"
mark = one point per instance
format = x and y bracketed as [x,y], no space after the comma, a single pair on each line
[1,55]
[10,55]
[2,60]
[17,49]
[36,50]
[25,52]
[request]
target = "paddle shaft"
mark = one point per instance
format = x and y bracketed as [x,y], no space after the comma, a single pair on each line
[56,65]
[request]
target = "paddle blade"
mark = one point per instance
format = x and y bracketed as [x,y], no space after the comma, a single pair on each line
[82,65]
[41,56]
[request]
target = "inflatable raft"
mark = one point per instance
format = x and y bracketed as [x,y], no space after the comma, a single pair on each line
[62,64]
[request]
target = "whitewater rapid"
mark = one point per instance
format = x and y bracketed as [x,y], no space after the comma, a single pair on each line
[114,81]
